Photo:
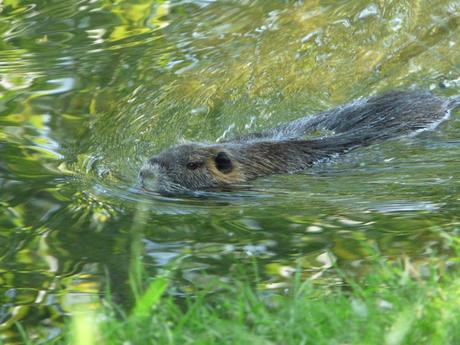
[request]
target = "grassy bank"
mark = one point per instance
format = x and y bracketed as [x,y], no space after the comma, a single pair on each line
[394,303]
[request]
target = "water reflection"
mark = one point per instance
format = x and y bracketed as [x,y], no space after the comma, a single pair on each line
[89,90]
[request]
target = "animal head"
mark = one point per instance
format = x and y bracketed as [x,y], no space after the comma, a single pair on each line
[191,167]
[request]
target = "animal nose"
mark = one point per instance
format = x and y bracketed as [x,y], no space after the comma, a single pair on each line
[145,173]
[148,176]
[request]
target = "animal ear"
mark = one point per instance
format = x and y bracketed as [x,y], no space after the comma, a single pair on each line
[223,162]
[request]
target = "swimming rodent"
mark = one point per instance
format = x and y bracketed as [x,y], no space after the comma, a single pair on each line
[197,166]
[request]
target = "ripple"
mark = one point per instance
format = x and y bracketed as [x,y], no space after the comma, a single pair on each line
[62,85]
[405,206]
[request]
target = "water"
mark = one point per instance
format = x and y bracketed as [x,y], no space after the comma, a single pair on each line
[90,89]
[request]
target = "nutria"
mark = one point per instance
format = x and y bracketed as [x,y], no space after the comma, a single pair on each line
[197,166]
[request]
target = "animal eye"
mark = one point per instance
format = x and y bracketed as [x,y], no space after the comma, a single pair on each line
[193,165]
[223,162]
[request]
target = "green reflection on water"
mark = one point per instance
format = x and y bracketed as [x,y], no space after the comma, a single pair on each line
[90,89]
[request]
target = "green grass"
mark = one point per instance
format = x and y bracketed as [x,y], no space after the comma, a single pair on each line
[391,304]
[394,302]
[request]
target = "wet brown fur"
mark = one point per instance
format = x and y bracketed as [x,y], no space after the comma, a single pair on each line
[281,149]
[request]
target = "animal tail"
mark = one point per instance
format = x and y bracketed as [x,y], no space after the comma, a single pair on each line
[384,116]
[391,114]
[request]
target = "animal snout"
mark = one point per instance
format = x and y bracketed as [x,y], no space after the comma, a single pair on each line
[148,175]
[145,173]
